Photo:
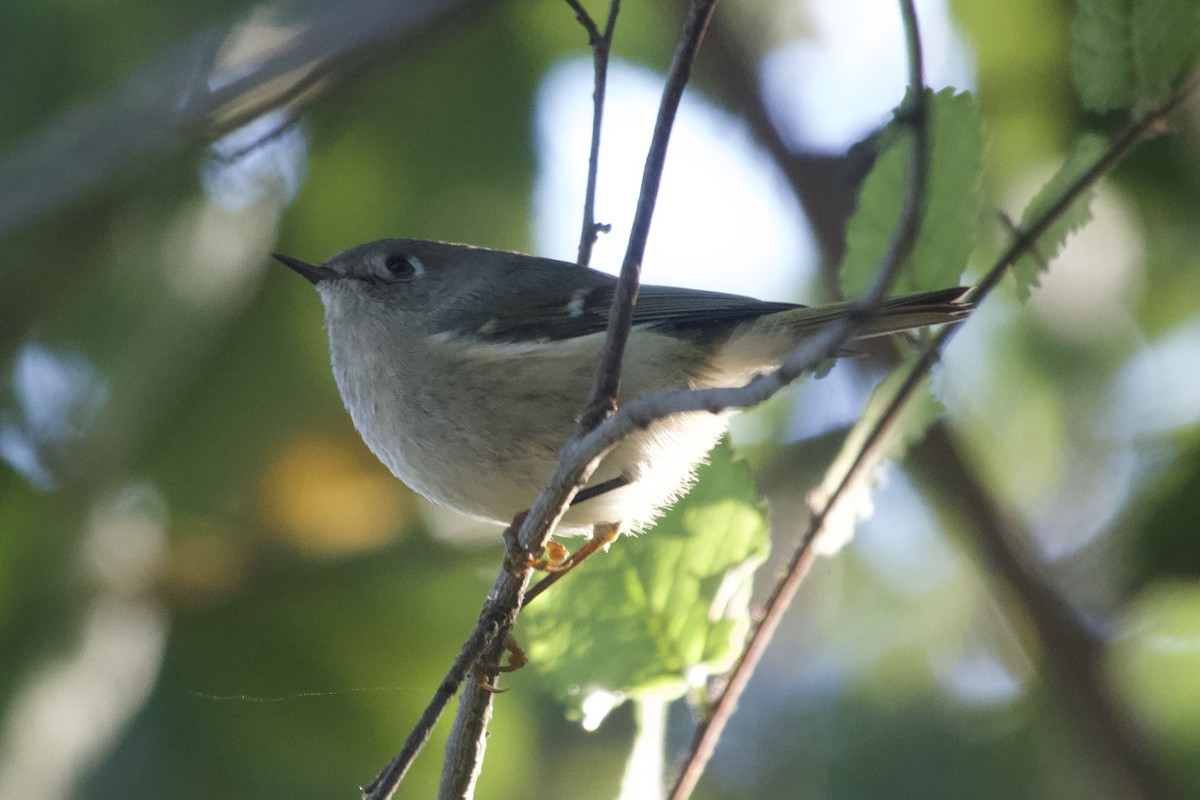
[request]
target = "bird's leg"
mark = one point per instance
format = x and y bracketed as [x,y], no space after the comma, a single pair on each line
[516,656]
[603,534]
[516,559]
[558,564]
[516,660]
[557,560]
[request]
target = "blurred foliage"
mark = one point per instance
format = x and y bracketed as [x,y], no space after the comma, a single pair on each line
[1127,53]
[208,587]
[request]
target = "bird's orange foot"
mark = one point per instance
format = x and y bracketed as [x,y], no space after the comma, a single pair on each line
[516,660]
[603,534]
[517,560]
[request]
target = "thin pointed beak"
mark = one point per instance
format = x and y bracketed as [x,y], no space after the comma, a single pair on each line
[313,275]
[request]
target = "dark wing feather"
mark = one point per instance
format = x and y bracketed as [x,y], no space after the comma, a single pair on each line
[579,308]
[689,311]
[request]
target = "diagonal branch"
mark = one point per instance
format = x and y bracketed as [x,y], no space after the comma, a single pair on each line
[580,455]
[576,464]
[709,731]
[603,398]
[467,743]
[904,239]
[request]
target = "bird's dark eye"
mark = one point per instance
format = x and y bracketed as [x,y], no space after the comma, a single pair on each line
[402,267]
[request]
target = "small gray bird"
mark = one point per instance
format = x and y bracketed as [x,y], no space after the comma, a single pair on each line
[464,369]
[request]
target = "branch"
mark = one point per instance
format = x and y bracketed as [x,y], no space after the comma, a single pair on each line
[601,44]
[576,462]
[477,698]
[580,455]
[384,784]
[1152,123]
[603,398]
[467,742]
[465,747]
[709,731]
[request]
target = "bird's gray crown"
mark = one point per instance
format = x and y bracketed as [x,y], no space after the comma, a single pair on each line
[503,296]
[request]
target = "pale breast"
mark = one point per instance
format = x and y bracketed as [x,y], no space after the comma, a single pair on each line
[478,426]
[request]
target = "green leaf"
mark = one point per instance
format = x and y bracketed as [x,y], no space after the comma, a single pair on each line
[1027,270]
[1127,52]
[660,610]
[1166,36]
[950,221]
[1102,54]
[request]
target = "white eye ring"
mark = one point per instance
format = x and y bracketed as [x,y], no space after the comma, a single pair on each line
[403,267]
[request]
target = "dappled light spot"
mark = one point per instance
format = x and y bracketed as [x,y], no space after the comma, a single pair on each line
[831,88]
[209,562]
[1157,657]
[262,160]
[977,677]
[755,239]
[57,395]
[327,498]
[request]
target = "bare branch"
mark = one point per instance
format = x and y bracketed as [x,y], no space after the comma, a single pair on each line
[390,776]
[601,44]
[577,460]
[1025,241]
[585,19]
[608,379]
[709,731]
[466,746]
[904,239]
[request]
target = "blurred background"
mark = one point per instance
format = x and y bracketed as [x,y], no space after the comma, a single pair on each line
[209,587]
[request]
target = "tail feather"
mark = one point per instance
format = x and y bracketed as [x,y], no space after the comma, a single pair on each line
[919,310]
[764,342]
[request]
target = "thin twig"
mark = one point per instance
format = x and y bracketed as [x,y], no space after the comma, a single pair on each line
[709,731]
[466,745]
[603,398]
[468,740]
[914,112]
[1026,240]
[908,228]
[585,19]
[577,460]
[390,776]
[541,586]
[498,615]
[580,455]
[601,44]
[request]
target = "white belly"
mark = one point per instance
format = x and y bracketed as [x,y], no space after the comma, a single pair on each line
[485,440]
